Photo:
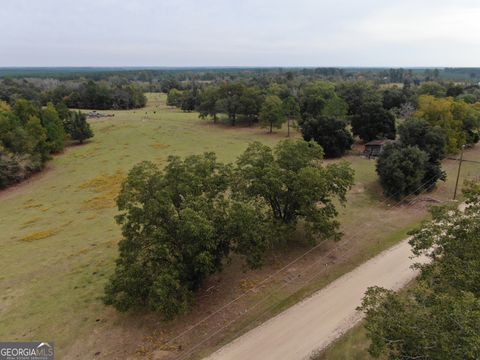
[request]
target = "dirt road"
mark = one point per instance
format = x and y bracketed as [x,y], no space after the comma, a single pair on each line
[317,321]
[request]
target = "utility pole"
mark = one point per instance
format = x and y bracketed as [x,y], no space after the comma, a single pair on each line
[458,173]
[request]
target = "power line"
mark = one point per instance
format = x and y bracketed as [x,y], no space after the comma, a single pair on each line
[182,356]
[264,280]
[384,202]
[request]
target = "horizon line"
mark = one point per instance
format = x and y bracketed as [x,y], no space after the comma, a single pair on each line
[231,67]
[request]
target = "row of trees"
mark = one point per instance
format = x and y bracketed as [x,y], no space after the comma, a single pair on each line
[323,110]
[181,225]
[29,134]
[77,94]
[237,101]
[99,95]
[439,317]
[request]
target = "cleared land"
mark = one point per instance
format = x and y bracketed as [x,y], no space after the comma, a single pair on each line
[58,243]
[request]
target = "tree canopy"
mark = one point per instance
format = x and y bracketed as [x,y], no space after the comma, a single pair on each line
[459,121]
[290,181]
[29,134]
[173,224]
[53,125]
[403,170]
[393,97]
[101,95]
[320,98]
[431,140]
[357,93]
[77,127]
[418,132]
[181,224]
[439,317]
[330,132]
[272,113]
[372,121]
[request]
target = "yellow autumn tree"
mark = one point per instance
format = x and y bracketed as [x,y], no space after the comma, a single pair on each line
[450,115]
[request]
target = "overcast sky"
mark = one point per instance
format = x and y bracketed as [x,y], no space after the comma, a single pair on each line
[239,33]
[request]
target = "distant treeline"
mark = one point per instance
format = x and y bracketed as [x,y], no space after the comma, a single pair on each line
[79,94]
[122,88]
[159,74]
[29,134]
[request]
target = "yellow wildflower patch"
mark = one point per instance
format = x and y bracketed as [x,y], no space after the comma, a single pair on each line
[39,235]
[107,187]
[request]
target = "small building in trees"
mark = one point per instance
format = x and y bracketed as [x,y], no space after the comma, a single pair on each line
[375,147]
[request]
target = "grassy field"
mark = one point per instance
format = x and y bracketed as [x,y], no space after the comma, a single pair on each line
[58,241]
[57,233]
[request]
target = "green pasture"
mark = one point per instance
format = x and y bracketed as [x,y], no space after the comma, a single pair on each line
[58,238]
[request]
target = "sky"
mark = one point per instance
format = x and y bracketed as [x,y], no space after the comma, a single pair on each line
[404,33]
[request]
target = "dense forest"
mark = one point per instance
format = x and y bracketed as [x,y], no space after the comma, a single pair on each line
[77,94]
